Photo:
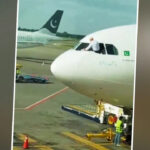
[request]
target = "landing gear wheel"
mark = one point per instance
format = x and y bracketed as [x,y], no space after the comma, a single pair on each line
[21,79]
[108,139]
[111,119]
[36,81]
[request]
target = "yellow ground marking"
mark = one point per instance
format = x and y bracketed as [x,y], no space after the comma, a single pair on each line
[17,148]
[42,147]
[106,144]
[122,144]
[38,147]
[81,110]
[32,141]
[22,138]
[84,141]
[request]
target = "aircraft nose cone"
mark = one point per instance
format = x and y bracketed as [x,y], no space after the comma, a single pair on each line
[57,68]
[63,67]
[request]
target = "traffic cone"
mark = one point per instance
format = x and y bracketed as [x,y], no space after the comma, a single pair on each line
[26,143]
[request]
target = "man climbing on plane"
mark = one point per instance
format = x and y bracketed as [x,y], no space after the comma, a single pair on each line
[94,45]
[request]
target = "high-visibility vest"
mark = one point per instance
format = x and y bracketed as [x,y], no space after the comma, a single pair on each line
[18,72]
[119,126]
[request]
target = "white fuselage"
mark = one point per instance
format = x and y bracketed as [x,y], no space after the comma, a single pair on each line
[36,37]
[101,76]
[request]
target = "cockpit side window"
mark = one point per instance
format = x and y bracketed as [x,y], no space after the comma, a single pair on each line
[82,46]
[102,48]
[111,49]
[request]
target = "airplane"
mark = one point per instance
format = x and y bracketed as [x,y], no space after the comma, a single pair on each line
[45,33]
[108,75]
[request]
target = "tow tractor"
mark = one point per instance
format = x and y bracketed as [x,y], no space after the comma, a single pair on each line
[31,79]
[103,113]
[26,78]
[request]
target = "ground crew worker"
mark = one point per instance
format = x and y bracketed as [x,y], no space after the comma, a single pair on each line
[18,72]
[119,130]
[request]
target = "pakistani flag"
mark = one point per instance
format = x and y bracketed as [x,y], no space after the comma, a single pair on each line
[126,53]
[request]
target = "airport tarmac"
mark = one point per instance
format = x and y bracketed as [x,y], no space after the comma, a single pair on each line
[46,124]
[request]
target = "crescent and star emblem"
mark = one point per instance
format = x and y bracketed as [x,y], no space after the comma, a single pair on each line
[53,23]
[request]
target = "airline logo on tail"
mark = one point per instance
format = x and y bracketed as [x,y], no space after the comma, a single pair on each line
[53,23]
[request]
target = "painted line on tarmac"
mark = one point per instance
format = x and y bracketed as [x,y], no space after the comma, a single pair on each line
[85,141]
[30,107]
[38,147]
[107,144]
[22,137]
[42,147]
[32,141]
[16,148]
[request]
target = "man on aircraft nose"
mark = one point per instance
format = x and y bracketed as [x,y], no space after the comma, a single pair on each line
[94,45]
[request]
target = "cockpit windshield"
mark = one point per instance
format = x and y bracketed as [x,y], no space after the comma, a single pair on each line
[81,46]
[104,48]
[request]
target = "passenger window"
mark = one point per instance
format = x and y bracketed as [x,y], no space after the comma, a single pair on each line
[82,46]
[111,49]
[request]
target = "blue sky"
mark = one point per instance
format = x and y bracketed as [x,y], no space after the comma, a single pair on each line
[80,16]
